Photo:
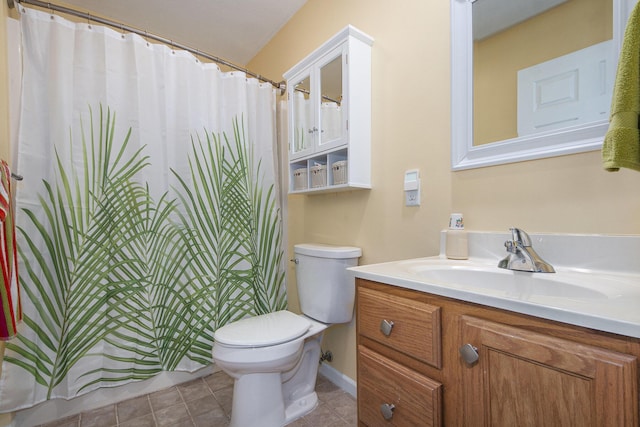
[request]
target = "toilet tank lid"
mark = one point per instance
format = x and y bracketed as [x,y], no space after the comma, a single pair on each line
[267,329]
[321,250]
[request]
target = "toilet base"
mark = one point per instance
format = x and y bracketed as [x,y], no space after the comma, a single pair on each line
[253,399]
[301,407]
[299,389]
[265,405]
[275,398]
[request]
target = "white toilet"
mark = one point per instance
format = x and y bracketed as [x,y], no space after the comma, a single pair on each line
[274,358]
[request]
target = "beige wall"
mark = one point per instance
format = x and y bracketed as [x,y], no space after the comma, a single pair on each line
[410,129]
[410,112]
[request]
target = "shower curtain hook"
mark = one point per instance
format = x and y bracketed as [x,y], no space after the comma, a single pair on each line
[89,20]
[283,87]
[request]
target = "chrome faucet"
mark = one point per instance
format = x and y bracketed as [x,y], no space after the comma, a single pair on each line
[521,255]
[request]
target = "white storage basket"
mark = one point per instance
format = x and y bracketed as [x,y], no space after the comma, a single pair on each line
[339,172]
[300,179]
[318,176]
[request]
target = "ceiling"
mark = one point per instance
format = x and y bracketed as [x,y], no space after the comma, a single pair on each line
[493,16]
[233,30]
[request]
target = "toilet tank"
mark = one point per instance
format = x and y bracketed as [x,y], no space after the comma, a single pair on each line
[325,288]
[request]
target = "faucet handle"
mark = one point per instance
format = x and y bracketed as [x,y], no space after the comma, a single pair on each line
[511,246]
[520,237]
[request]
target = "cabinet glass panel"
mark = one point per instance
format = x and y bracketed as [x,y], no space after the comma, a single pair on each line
[331,123]
[302,116]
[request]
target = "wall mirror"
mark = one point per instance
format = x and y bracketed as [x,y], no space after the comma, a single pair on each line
[531,79]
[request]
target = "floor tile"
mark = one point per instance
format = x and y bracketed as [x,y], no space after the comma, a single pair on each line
[218,381]
[345,406]
[195,389]
[322,416]
[143,421]
[164,398]
[207,402]
[172,416]
[225,398]
[133,408]
[73,421]
[211,419]
[101,417]
[205,405]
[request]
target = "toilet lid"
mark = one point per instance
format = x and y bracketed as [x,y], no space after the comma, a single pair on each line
[266,329]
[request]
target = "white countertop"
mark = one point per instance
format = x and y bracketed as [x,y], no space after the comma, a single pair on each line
[602,299]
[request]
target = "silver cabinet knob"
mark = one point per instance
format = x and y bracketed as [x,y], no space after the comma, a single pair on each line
[469,354]
[386,326]
[387,410]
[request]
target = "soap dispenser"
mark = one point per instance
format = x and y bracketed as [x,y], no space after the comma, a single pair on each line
[457,246]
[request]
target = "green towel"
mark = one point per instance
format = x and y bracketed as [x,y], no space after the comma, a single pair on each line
[621,147]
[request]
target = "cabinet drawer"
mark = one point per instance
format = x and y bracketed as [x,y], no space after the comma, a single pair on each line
[416,399]
[416,325]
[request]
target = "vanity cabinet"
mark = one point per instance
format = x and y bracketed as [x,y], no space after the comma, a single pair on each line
[329,116]
[526,378]
[523,370]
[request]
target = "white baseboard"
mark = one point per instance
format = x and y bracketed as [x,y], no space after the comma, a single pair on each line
[338,378]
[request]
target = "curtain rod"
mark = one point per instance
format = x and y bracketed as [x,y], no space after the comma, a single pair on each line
[45,5]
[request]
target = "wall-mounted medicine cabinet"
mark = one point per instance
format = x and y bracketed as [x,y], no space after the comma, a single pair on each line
[329,116]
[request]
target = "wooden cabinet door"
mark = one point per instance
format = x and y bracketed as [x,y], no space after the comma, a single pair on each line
[524,378]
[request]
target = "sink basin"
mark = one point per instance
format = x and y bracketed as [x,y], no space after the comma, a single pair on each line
[596,283]
[566,286]
[596,299]
[521,285]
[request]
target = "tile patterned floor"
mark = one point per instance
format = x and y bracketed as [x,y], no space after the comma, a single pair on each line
[206,402]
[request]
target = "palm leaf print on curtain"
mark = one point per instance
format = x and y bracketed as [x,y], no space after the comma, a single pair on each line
[236,236]
[139,285]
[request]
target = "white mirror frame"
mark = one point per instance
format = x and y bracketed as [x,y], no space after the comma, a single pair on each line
[464,155]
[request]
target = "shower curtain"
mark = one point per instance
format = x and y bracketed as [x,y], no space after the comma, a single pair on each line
[148,215]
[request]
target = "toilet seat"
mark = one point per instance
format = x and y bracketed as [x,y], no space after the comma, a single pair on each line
[264,330]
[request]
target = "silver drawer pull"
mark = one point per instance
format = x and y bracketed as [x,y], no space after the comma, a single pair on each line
[387,410]
[469,354]
[386,326]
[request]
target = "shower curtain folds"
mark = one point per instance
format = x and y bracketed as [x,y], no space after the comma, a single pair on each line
[281,86]
[149,216]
